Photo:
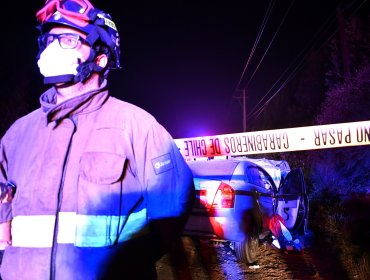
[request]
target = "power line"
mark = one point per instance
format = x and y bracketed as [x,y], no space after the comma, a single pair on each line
[271,41]
[297,60]
[260,32]
[257,111]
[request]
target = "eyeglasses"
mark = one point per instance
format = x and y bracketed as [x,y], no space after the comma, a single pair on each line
[74,10]
[66,40]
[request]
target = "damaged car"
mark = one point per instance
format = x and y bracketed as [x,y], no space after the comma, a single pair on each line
[236,197]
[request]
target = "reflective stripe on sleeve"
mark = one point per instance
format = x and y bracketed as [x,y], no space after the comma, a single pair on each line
[80,230]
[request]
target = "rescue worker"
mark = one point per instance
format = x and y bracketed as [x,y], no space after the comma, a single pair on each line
[92,187]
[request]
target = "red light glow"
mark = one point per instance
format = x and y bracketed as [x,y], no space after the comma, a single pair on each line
[225,197]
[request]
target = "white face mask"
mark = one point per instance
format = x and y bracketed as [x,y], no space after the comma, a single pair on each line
[55,61]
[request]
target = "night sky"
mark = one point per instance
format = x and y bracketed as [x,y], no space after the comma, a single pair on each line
[183,60]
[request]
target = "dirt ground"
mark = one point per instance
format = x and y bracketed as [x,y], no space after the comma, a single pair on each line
[201,259]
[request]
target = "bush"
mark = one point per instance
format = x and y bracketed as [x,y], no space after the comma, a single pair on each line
[341,225]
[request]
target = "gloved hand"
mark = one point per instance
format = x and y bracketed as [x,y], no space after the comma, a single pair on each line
[7,192]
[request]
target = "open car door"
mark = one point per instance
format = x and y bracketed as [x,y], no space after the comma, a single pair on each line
[292,202]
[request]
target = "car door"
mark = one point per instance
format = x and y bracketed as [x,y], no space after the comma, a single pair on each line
[264,188]
[292,202]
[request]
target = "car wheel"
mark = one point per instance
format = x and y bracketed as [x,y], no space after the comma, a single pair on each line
[247,250]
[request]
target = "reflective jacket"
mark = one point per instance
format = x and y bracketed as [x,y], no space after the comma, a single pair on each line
[91,173]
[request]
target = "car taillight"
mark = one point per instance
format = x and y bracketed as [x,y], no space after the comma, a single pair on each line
[225,197]
[203,198]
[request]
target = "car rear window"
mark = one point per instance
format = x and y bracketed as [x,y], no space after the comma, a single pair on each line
[259,178]
[213,168]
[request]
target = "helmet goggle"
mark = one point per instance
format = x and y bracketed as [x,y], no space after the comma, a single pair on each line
[74,10]
[65,40]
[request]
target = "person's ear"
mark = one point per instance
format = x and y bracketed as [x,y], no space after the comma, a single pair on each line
[102,60]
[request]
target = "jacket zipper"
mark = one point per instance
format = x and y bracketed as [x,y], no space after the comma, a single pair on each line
[60,198]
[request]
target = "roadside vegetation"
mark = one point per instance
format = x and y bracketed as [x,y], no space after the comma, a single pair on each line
[338,179]
[341,229]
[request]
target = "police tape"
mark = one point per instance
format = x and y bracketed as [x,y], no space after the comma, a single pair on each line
[277,141]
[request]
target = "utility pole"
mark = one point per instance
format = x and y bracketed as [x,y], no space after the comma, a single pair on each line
[244,102]
[244,111]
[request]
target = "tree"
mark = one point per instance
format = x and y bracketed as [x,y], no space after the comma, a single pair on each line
[347,170]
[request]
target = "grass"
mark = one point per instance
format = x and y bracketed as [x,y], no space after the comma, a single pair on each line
[342,226]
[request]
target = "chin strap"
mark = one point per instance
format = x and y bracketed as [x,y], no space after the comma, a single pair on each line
[84,71]
[59,79]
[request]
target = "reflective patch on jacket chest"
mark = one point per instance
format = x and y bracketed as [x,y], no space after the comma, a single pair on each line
[162,164]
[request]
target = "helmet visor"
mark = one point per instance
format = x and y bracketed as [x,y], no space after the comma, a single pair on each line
[73,10]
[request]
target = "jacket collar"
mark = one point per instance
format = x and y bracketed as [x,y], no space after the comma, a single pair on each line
[84,103]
